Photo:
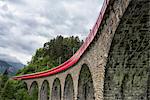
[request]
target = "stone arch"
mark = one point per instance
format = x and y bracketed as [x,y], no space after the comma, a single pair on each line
[128,60]
[85,84]
[68,88]
[34,91]
[44,92]
[56,90]
[25,86]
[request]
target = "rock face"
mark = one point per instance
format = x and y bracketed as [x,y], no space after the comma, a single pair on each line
[128,68]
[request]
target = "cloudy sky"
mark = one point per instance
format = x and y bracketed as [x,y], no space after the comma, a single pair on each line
[26,24]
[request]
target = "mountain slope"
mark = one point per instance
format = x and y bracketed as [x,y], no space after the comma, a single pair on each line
[3,66]
[17,65]
[12,67]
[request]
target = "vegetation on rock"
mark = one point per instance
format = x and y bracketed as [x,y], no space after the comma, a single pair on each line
[53,53]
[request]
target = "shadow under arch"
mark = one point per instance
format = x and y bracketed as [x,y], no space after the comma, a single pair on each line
[68,88]
[44,92]
[56,90]
[33,91]
[85,84]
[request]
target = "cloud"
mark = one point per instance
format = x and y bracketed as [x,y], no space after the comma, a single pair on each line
[8,58]
[25,25]
[9,53]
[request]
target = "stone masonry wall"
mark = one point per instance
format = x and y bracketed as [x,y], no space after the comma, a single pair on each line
[128,67]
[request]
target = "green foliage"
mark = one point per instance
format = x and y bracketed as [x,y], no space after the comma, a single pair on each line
[34,93]
[53,53]
[3,80]
[12,90]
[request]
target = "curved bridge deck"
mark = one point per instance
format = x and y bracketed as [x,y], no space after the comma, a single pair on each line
[112,64]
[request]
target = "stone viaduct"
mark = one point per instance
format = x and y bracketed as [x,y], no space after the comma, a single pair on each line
[112,64]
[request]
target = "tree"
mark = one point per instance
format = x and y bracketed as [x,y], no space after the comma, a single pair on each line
[14,90]
[49,56]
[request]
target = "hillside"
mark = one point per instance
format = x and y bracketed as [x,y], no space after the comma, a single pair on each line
[17,65]
[53,53]
[12,67]
[3,66]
